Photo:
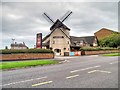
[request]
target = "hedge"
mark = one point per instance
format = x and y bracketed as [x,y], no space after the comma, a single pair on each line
[96,48]
[15,51]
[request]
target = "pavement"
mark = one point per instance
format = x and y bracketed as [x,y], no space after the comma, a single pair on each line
[75,72]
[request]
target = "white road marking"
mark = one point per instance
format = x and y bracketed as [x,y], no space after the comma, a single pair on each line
[92,71]
[24,81]
[72,76]
[85,69]
[93,56]
[113,63]
[64,61]
[38,84]
[104,71]
[98,71]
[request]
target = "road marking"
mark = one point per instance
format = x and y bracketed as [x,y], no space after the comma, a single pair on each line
[72,76]
[104,71]
[113,62]
[92,71]
[24,81]
[98,71]
[84,69]
[67,61]
[93,56]
[42,83]
[64,61]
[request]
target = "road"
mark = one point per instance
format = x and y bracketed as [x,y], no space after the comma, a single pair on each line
[76,72]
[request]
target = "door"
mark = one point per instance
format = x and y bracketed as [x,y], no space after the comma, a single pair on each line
[57,52]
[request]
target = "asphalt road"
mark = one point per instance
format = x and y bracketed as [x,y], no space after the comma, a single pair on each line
[76,72]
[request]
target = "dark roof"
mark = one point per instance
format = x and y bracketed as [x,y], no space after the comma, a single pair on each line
[58,24]
[46,44]
[86,39]
[18,45]
[74,40]
[46,37]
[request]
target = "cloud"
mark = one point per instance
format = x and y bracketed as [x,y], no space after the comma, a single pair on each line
[23,21]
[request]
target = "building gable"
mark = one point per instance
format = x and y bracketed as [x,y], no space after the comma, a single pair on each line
[103,33]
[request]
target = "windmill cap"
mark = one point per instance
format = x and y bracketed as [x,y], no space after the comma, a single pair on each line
[58,24]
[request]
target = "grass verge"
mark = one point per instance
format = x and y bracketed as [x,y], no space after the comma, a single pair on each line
[112,54]
[23,64]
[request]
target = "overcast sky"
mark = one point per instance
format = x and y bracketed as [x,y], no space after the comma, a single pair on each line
[22,21]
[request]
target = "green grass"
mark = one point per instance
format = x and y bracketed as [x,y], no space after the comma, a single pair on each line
[112,54]
[23,64]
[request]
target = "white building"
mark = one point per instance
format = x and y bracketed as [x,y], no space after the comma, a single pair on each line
[18,46]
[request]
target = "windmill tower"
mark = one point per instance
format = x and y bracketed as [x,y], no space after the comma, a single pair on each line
[59,39]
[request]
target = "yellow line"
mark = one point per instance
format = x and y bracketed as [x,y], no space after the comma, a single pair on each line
[42,83]
[72,76]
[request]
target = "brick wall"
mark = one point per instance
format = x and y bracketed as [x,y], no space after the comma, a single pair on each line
[103,33]
[98,52]
[27,56]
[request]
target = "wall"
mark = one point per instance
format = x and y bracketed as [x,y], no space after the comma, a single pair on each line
[60,43]
[103,33]
[27,56]
[98,52]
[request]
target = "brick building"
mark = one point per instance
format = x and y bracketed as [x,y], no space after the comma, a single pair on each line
[103,33]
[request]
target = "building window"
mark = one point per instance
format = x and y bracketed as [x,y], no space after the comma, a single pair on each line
[64,48]
[53,42]
[81,42]
[58,37]
[50,48]
[68,42]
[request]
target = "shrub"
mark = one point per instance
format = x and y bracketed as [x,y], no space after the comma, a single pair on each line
[111,41]
[14,51]
[96,48]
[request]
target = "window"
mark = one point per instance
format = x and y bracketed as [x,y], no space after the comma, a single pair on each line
[81,41]
[58,37]
[64,48]
[68,42]
[53,42]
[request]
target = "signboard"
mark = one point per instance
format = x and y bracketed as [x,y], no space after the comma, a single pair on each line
[39,40]
[77,53]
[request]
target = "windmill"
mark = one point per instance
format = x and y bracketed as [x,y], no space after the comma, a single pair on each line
[59,21]
[57,37]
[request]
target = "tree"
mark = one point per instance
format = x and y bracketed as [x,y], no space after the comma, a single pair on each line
[6,47]
[111,41]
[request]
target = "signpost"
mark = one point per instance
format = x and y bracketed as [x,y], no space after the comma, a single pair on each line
[39,40]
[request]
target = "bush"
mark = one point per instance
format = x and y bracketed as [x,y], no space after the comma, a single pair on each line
[96,48]
[14,51]
[111,41]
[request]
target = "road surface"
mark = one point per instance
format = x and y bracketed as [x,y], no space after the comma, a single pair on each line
[75,72]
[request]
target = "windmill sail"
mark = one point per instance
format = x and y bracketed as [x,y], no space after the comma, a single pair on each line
[48,18]
[66,16]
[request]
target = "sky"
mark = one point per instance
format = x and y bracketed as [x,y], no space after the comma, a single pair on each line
[23,20]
